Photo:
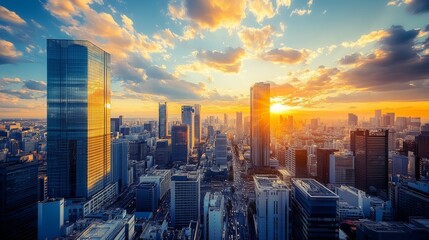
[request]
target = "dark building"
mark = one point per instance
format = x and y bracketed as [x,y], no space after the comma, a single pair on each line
[78,118]
[18,201]
[314,210]
[147,127]
[114,125]
[417,229]
[301,163]
[197,124]
[322,155]
[138,150]
[410,198]
[210,131]
[162,152]
[146,197]
[370,149]
[421,152]
[16,135]
[180,143]
[125,131]
[162,120]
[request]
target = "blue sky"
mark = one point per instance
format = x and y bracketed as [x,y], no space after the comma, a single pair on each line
[320,56]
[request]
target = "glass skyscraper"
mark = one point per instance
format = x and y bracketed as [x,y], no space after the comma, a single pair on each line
[162,121]
[78,144]
[188,113]
[260,124]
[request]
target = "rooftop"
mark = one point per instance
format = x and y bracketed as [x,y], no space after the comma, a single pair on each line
[313,188]
[99,231]
[269,182]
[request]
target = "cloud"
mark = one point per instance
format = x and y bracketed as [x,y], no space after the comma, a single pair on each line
[66,10]
[19,93]
[10,16]
[8,53]
[257,39]
[413,6]
[286,55]
[350,59]
[300,12]
[280,3]
[261,9]
[393,66]
[165,37]
[35,85]
[367,38]
[228,61]
[6,81]
[209,14]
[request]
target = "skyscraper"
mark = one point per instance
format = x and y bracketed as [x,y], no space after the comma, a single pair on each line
[162,121]
[353,120]
[120,163]
[272,207]
[188,113]
[78,76]
[342,168]
[314,210]
[18,199]
[221,151]
[260,124]
[322,155]
[180,143]
[239,124]
[213,218]
[197,124]
[185,199]
[371,158]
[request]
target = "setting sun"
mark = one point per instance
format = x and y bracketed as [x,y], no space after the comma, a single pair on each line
[279,108]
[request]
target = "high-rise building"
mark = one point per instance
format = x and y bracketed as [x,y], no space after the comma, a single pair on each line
[371,158]
[197,124]
[163,152]
[410,198]
[314,210]
[323,155]
[18,199]
[353,120]
[114,125]
[162,120]
[239,124]
[260,124]
[342,168]
[422,152]
[188,113]
[180,143]
[221,150]
[225,120]
[162,179]
[185,199]
[147,197]
[377,117]
[78,118]
[296,162]
[314,123]
[121,120]
[213,218]
[138,150]
[272,207]
[120,163]
[210,131]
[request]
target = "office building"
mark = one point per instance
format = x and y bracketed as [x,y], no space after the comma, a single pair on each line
[399,165]
[422,153]
[225,120]
[18,199]
[147,197]
[163,152]
[221,151]
[371,158]
[296,162]
[180,143]
[260,124]
[410,198]
[210,131]
[272,207]
[161,178]
[352,120]
[78,118]
[50,218]
[162,121]
[114,125]
[121,121]
[120,163]
[188,113]
[185,199]
[342,168]
[417,229]
[213,218]
[377,117]
[314,210]
[239,124]
[138,150]
[323,155]
[197,124]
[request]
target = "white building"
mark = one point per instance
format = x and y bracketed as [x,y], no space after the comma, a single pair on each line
[50,218]
[161,177]
[342,168]
[290,160]
[213,218]
[272,207]
[312,164]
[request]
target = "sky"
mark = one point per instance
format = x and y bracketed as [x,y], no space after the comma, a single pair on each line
[323,58]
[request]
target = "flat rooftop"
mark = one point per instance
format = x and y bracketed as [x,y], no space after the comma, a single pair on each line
[269,182]
[99,231]
[313,188]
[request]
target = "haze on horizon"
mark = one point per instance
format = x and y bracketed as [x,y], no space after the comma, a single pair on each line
[321,58]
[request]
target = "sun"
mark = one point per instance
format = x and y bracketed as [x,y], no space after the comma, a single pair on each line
[279,108]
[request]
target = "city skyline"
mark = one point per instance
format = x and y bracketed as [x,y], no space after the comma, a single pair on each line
[186,52]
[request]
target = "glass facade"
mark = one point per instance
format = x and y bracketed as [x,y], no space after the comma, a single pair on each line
[260,124]
[162,127]
[78,76]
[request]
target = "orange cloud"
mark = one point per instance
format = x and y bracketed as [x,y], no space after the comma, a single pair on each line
[8,53]
[166,37]
[257,38]
[367,38]
[10,16]
[286,55]
[209,14]
[228,61]
[261,9]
